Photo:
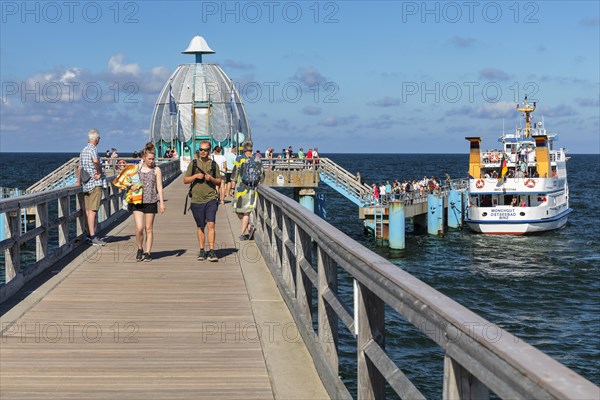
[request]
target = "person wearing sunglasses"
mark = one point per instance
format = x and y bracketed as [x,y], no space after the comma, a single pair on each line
[204,176]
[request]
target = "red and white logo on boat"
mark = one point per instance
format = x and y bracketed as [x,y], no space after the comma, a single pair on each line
[480,183]
[530,183]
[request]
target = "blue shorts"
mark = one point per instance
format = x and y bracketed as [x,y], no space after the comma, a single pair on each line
[205,212]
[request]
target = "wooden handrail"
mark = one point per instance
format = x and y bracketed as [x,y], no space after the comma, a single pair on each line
[59,174]
[16,274]
[474,364]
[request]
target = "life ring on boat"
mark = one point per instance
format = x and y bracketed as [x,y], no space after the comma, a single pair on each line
[480,183]
[121,164]
[494,158]
[530,183]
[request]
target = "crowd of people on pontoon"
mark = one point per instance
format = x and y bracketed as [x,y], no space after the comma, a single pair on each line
[383,193]
[289,153]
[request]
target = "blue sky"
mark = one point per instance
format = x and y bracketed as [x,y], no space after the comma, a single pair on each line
[347,76]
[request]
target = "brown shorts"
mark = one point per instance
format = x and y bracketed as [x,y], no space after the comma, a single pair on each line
[92,199]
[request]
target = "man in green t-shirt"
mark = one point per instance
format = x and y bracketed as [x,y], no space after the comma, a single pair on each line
[204,176]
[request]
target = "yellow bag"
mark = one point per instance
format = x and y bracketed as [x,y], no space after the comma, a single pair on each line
[130,176]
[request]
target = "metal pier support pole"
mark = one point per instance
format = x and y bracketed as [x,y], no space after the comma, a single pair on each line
[455,209]
[2,227]
[435,214]
[396,226]
[306,197]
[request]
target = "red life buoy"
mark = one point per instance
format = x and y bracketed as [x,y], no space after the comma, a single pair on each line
[494,158]
[121,164]
[530,183]
[480,183]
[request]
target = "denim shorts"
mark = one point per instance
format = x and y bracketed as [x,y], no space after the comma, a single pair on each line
[205,212]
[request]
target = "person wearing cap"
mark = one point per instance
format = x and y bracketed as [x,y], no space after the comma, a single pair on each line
[247,173]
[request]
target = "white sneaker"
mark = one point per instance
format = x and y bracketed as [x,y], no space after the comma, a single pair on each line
[96,241]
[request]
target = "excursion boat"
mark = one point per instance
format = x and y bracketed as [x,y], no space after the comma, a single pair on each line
[520,188]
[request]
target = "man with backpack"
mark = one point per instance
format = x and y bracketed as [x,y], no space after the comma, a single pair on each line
[248,173]
[204,177]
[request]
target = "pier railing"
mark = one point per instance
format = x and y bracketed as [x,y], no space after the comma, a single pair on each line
[66,174]
[339,178]
[67,204]
[288,235]
[62,176]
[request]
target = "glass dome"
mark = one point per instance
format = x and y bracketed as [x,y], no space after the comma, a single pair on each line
[198,102]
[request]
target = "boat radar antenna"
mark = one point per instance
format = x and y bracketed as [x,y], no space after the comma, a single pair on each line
[198,46]
[527,109]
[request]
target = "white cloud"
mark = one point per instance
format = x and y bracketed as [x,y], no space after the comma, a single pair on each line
[309,76]
[588,102]
[590,21]
[461,41]
[238,65]
[494,74]
[561,110]
[311,110]
[116,66]
[333,121]
[501,109]
[62,103]
[386,102]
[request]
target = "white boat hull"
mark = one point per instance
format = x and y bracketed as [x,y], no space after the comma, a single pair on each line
[503,228]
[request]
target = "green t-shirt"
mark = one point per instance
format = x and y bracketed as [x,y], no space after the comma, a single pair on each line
[203,192]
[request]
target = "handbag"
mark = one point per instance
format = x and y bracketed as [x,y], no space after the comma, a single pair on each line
[84,176]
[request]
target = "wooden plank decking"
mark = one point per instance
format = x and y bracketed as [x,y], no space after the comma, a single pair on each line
[176,328]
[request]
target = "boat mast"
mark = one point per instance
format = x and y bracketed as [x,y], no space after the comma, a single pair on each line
[527,109]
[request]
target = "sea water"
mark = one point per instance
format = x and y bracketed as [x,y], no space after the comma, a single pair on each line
[544,289]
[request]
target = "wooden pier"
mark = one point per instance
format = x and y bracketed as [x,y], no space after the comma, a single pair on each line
[173,328]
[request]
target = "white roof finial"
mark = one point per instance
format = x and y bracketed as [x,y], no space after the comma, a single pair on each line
[198,46]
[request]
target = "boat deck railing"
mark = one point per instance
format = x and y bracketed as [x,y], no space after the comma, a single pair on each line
[492,160]
[307,257]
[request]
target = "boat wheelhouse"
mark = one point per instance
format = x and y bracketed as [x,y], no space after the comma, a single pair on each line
[521,187]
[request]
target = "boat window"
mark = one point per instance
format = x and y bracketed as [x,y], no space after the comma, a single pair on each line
[486,200]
